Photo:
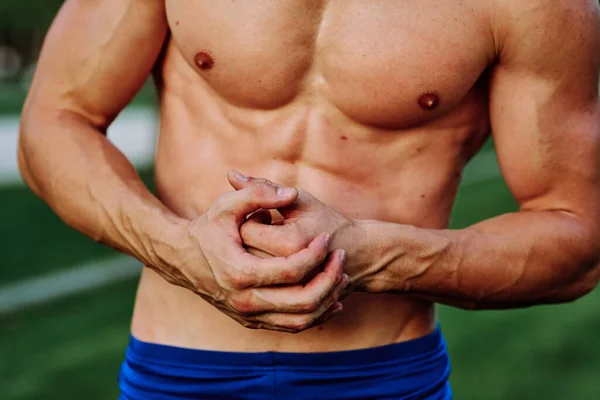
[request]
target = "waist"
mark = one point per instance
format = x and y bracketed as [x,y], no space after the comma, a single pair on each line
[175,316]
[428,346]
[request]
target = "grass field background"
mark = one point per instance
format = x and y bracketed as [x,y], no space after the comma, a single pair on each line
[71,348]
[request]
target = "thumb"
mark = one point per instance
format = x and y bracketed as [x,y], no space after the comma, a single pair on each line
[241,203]
[239,182]
[304,202]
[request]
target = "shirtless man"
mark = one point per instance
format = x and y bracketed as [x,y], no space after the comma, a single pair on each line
[362,114]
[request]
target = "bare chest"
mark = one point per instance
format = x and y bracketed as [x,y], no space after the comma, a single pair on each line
[390,64]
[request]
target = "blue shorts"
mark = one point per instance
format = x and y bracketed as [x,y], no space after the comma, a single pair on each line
[416,369]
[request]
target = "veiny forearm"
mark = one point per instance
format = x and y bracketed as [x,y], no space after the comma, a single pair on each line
[90,184]
[514,260]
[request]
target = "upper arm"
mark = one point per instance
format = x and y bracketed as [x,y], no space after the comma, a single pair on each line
[96,56]
[544,103]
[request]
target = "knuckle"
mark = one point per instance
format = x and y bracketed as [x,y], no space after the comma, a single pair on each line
[250,324]
[220,206]
[325,297]
[292,245]
[308,306]
[299,326]
[237,280]
[335,296]
[262,189]
[304,194]
[248,231]
[243,306]
[292,275]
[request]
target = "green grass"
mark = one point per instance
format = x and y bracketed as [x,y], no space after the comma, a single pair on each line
[12,97]
[35,241]
[549,352]
[480,201]
[72,349]
[69,349]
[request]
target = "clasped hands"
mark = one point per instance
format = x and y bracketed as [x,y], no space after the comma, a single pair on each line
[287,275]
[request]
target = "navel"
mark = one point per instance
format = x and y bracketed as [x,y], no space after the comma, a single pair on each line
[429,101]
[204,61]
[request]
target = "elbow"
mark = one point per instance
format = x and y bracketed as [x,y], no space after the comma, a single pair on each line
[584,281]
[585,264]
[585,284]
[23,154]
[35,142]
[25,151]
[25,171]
[23,167]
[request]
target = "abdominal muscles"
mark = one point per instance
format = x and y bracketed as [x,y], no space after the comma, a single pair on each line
[407,176]
[382,148]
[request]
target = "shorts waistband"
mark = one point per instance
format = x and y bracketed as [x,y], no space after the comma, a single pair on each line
[397,352]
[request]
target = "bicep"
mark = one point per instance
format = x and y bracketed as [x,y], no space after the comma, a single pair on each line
[96,56]
[545,111]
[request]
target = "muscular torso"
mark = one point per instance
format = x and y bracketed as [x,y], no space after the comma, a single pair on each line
[373,107]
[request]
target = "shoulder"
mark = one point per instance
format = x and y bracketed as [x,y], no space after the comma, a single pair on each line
[544,26]
[557,41]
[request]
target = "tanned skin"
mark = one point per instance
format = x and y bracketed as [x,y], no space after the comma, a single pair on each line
[362,116]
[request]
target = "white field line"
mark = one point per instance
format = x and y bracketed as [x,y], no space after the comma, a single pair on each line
[134,132]
[67,282]
[92,275]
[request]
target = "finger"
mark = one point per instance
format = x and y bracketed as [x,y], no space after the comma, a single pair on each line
[259,253]
[298,322]
[254,324]
[332,311]
[279,240]
[289,270]
[305,201]
[328,284]
[238,205]
[247,271]
[260,217]
[240,181]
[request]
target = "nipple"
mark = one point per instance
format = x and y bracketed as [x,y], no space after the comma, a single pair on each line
[429,101]
[204,61]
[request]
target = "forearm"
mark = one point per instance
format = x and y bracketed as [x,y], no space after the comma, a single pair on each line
[514,260]
[90,184]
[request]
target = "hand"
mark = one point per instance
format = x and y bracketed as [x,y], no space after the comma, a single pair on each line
[242,285]
[304,220]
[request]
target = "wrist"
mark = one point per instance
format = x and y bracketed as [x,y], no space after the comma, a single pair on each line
[361,241]
[164,237]
[187,259]
[406,258]
[375,257]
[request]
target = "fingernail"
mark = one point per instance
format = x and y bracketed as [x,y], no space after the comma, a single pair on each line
[327,238]
[239,176]
[285,191]
[341,254]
